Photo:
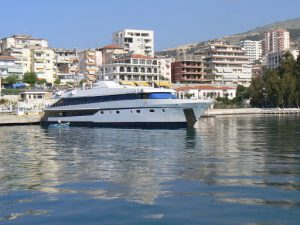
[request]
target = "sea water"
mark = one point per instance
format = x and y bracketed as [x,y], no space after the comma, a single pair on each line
[227,170]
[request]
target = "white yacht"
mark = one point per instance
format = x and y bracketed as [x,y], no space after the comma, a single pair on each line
[109,104]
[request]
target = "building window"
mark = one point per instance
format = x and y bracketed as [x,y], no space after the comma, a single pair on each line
[138,111]
[128,69]
[121,69]
[142,70]
[151,110]
[117,112]
[135,69]
[154,70]
[149,70]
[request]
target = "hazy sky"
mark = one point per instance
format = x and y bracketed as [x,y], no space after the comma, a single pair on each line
[90,23]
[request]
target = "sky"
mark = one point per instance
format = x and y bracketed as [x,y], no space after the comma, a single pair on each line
[90,23]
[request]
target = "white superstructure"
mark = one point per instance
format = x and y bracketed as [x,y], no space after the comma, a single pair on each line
[109,104]
[138,41]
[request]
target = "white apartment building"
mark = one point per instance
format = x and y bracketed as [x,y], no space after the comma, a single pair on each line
[43,64]
[253,50]
[8,67]
[276,41]
[137,41]
[273,59]
[131,68]
[227,64]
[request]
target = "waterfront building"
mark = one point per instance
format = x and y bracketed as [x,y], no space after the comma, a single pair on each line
[9,67]
[276,41]
[43,63]
[89,61]
[206,92]
[137,41]
[188,69]
[133,67]
[253,49]
[273,59]
[67,65]
[227,64]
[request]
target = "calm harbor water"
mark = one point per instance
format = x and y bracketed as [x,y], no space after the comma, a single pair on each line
[228,170]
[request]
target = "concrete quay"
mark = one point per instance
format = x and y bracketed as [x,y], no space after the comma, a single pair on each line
[245,111]
[12,120]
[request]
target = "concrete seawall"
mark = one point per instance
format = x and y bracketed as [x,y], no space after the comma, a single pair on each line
[245,111]
[9,120]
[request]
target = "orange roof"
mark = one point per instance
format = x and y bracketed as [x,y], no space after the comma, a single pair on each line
[203,87]
[7,57]
[112,46]
[139,56]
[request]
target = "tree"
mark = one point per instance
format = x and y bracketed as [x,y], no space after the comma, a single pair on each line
[30,78]
[12,79]
[257,92]
[57,81]
[242,94]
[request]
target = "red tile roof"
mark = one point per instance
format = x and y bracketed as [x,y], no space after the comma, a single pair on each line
[203,87]
[7,58]
[139,56]
[112,46]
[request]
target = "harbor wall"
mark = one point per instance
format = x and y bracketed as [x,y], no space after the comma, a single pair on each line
[245,111]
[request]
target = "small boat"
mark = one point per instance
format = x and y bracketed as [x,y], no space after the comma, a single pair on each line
[59,125]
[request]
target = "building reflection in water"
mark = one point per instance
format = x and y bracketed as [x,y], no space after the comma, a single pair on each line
[140,165]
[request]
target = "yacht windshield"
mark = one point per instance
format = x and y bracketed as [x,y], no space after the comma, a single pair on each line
[162,96]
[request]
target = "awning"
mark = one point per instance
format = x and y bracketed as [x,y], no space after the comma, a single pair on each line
[125,82]
[166,84]
[142,83]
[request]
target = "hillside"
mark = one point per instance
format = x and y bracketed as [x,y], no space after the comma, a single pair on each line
[292,25]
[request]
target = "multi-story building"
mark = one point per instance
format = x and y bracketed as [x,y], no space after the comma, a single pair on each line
[89,61]
[274,59]
[23,57]
[253,49]
[43,63]
[227,64]
[8,67]
[22,41]
[137,41]
[276,41]
[133,67]
[67,64]
[111,52]
[188,69]
[165,67]
[32,54]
